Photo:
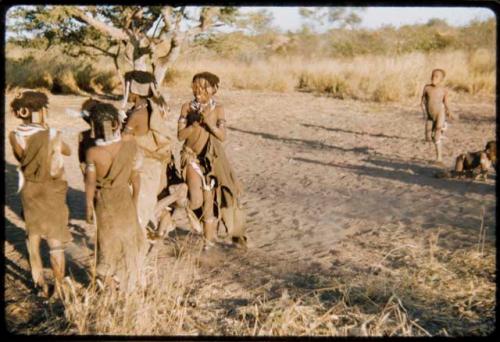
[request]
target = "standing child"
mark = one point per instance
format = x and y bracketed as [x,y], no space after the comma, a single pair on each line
[43,186]
[435,109]
[213,188]
[111,168]
[85,138]
[146,123]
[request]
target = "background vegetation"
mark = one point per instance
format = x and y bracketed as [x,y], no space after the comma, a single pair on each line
[387,64]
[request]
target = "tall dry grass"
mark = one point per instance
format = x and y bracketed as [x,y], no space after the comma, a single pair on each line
[371,78]
[58,73]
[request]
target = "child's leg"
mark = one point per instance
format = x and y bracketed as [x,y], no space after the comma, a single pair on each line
[195,190]
[428,130]
[438,131]
[166,224]
[209,220]
[33,244]
[459,164]
[57,260]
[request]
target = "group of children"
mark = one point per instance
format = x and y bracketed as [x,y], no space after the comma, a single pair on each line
[131,180]
[436,110]
[132,185]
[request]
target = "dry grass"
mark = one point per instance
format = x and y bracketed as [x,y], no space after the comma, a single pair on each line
[430,285]
[370,78]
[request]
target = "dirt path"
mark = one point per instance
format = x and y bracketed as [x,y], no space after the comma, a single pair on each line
[317,172]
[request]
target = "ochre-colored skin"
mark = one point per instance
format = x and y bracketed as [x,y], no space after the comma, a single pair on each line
[196,136]
[435,108]
[57,260]
[102,157]
[138,122]
[486,158]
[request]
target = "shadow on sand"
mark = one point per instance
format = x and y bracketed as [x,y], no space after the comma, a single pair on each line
[313,144]
[418,175]
[379,135]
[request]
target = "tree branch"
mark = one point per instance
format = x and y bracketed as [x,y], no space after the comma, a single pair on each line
[109,30]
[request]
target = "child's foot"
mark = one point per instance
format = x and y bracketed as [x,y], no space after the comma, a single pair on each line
[239,241]
[193,220]
[42,290]
[439,163]
[208,245]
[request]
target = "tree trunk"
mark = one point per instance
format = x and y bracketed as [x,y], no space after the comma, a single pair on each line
[163,63]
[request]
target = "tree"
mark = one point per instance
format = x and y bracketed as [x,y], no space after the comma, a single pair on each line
[257,22]
[142,37]
[318,17]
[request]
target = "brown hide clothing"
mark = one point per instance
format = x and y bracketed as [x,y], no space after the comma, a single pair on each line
[43,196]
[156,150]
[215,165]
[121,243]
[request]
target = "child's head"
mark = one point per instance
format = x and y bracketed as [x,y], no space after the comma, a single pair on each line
[86,108]
[105,120]
[437,76]
[491,150]
[138,83]
[205,85]
[30,106]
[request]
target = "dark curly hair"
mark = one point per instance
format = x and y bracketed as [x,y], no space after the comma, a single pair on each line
[32,100]
[87,106]
[140,76]
[101,112]
[212,79]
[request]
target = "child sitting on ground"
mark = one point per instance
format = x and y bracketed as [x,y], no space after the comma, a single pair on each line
[474,164]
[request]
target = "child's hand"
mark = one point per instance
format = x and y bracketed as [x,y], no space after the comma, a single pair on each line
[89,217]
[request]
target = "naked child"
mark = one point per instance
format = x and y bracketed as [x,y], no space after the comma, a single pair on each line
[435,109]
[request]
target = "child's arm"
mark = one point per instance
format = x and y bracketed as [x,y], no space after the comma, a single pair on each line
[16,148]
[423,103]
[135,179]
[131,125]
[446,107]
[219,130]
[90,185]
[182,130]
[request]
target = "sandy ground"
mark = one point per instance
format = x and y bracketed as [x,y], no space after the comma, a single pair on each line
[319,173]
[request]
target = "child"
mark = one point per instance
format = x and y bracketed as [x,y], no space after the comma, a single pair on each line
[111,167]
[435,107]
[212,184]
[474,164]
[43,186]
[85,139]
[146,123]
